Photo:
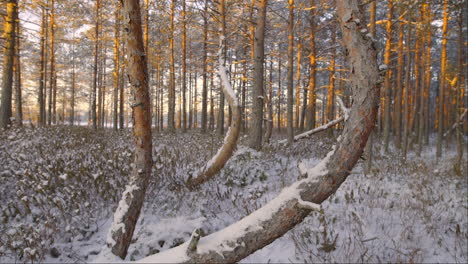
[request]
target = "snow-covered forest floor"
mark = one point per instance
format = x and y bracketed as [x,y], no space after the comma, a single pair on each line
[59,187]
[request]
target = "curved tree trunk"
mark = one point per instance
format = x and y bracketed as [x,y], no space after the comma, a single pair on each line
[230,141]
[128,211]
[295,202]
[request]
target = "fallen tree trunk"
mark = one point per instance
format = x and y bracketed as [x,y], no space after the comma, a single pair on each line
[294,203]
[315,130]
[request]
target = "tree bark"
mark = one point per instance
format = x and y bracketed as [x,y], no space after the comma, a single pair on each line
[406,93]
[443,66]
[73,84]
[8,58]
[387,85]
[368,152]
[290,71]
[313,71]
[171,94]
[42,67]
[184,68]
[331,80]
[204,112]
[277,217]
[399,86]
[269,123]
[18,88]
[257,96]
[52,79]
[95,70]
[222,26]
[128,211]
[298,85]
[280,93]
[116,74]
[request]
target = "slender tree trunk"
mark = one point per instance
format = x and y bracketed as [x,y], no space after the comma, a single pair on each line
[42,70]
[331,80]
[171,94]
[388,88]
[116,62]
[443,66]
[269,124]
[313,72]
[184,68]
[423,94]
[279,93]
[243,92]
[53,75]
[220,127]
[95,70]
[128,211]
[290,71]
[459,98]
[122,88]
[8,58]
[211,100]
[204,112]
[406,93]
[73,84]
[256,128]
[298,85]
[18,88]
[399,86]
[368,152]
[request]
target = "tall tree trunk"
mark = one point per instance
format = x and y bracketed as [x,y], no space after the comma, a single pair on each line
[388,88]
[204,112]
[331,80]
[121,89]
[278,108]
[424,90]
[73,84]
[298,84]
[443,66]
[296,202]
[171,94]
[399,86]
[368,152]
[42,67]
[243,92]
[52,81]
[406,93]
[269,124]
[212,121]
[116,62]
[95,70]
[220,127]
[459,97]
[256,128]
[313,71]
[128,211]
[290,71]
[184,68]
[18,88]
[8,58]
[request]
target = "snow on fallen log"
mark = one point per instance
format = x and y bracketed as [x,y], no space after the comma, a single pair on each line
[315,130]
